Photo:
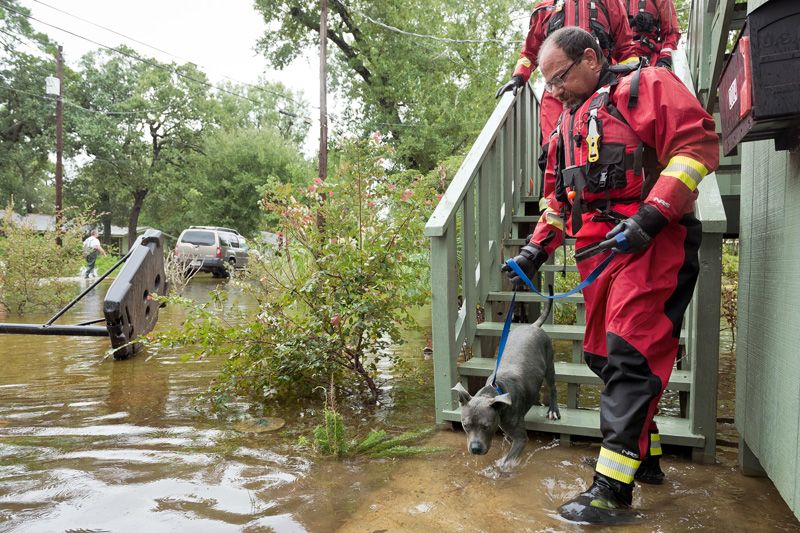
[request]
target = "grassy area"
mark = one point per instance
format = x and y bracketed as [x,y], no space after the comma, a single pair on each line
[104,263]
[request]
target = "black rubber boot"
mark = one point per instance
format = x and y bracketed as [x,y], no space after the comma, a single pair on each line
[607,501]
[650,471]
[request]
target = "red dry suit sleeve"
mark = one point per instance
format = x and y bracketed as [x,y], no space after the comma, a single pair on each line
[621,32]
[549,231]
[670,30]
[670,119]
[537,32]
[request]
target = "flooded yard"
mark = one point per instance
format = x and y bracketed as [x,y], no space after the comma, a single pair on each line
[92,444]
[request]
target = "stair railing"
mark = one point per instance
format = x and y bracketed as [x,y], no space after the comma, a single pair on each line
[468,225]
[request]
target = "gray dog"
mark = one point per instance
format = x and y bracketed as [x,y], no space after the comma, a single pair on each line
[526,362]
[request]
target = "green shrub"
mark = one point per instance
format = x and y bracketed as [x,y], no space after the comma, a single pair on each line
[31,262]
[337,292]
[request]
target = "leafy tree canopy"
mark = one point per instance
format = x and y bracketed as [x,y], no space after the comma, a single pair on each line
[433,95]
[26,115]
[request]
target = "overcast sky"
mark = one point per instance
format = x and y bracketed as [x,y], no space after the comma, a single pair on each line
[219,37]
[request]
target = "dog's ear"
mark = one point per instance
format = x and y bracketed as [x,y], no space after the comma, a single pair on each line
[501,400]
[463,396]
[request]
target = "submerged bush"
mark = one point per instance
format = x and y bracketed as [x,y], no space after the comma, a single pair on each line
[351,266]
[330,440]
[31,262]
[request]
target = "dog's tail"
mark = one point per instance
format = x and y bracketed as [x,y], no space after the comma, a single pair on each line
[548,305]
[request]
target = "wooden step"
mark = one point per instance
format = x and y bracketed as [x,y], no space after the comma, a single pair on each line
[505,296]
[516,219]
[586,422]
[523,242]
[558,268]
[557,332]
[529,199]
[579,373]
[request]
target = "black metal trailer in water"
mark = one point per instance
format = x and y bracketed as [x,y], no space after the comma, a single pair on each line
[128,308]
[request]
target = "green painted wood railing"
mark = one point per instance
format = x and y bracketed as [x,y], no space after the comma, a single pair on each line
[467,227]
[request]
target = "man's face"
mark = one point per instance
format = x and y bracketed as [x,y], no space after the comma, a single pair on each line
[573,81]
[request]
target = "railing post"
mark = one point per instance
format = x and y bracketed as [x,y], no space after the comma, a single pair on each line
[705,347]
[468,264]
[444,280]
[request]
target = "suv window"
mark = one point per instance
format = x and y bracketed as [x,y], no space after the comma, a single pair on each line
[201,238]
[224,240]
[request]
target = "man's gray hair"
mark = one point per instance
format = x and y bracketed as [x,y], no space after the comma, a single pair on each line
[573,41]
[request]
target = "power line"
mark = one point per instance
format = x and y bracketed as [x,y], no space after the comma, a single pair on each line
[183,59]
[24,43]
[431,37]
[134,56]
[78,106]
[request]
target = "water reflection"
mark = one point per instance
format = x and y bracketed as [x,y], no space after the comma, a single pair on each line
[95,444]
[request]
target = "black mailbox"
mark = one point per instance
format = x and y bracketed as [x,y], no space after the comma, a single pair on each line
[759,90]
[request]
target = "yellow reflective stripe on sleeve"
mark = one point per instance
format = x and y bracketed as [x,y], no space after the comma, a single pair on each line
[687,170]
[655,445]
[630,61]
[617,466]
[552,218]
[544,203]
[524,62]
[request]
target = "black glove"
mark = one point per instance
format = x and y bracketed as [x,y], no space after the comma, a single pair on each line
[530,258]
[513,85]
[664,61]
[638,230]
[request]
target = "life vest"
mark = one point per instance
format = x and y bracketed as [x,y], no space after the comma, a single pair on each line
[590,15]
[600,161]
[645,21]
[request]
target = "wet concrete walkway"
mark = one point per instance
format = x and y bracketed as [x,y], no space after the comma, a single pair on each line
[455,491]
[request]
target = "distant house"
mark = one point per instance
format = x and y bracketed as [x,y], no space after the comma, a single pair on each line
[41,223]
[269,238]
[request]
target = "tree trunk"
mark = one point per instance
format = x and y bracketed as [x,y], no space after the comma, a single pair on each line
[133,221]
[105,218]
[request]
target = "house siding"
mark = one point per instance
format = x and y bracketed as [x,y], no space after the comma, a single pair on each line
[768,357]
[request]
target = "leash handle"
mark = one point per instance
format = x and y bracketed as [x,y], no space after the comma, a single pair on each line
[619,242]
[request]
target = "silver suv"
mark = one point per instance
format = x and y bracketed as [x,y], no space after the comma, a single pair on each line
[212,249]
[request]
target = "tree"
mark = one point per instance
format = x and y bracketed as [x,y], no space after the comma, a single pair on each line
[432,95]
[221,185]
[148,118]
[27,133]
[266,105]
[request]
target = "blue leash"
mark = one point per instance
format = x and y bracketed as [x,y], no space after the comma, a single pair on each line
[619,241]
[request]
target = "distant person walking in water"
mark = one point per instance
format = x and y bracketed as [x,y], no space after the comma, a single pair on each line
[92,247]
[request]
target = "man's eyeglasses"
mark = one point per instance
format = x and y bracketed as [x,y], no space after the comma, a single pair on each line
[558,81]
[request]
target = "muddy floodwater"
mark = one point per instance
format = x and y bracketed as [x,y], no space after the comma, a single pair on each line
[92,444]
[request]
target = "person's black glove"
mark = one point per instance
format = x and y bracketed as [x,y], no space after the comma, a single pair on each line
[638,230]
[513,85]
[530,258]
[664,61]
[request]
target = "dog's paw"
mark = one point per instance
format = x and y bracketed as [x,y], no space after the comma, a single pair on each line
[553,414]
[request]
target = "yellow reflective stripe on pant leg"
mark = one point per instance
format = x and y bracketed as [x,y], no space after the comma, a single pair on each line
[655,445]
[617,466]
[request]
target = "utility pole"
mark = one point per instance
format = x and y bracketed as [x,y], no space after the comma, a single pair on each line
[323,90]
[59,140]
